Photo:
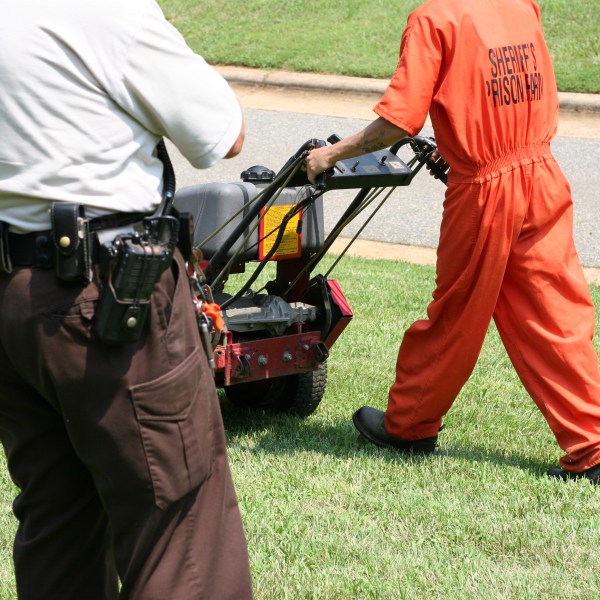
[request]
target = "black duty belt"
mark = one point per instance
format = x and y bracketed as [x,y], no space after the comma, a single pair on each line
[35,249]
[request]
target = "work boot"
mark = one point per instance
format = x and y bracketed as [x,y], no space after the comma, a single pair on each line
[369,422]
[592,474]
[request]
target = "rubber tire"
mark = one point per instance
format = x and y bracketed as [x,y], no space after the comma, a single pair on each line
[298,395]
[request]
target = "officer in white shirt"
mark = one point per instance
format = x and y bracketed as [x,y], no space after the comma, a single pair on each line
[118,450]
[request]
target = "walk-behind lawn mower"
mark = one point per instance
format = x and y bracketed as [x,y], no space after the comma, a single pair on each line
[269,348]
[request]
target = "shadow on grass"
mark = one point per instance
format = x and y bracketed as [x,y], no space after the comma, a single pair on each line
[287,434]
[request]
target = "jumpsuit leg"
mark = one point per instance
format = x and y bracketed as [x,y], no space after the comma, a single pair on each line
[437,355]
[546,318]
[143,422]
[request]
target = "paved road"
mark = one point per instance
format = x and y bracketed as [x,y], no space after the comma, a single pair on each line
[280,121]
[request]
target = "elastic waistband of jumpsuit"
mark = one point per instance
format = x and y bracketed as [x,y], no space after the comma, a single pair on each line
[504,163]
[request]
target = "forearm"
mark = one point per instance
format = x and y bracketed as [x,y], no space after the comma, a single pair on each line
[239,143]
[377,135]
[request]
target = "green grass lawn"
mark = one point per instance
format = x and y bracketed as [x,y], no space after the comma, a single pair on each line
[331,517]
[353,37]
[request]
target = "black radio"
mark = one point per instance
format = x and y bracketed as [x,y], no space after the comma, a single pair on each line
[131,263]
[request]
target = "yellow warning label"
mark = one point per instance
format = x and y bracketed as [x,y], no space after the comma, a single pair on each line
[270,226]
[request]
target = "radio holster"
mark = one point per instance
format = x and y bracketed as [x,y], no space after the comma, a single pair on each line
[130,263]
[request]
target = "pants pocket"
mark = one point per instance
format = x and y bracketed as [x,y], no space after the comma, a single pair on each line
[175,422]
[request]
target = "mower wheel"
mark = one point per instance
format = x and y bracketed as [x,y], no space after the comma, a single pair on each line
[298,394]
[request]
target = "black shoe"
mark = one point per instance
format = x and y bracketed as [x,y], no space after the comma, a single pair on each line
[592,474]
[369,422]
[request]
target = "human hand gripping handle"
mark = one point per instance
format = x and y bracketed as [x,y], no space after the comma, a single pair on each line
[437,166]
[318,162]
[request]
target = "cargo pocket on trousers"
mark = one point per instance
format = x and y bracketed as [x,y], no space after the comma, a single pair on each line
[174,417]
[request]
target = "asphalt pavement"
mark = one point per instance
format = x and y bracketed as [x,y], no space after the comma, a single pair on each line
[284,109]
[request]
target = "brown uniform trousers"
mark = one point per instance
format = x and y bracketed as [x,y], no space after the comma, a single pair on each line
[118,451]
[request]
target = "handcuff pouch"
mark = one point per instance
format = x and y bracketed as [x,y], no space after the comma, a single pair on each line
[71,242]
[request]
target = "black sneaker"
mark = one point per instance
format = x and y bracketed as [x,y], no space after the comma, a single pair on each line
[592,474]
[369,422]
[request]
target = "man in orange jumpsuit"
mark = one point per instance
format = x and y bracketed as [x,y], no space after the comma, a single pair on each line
[482,70]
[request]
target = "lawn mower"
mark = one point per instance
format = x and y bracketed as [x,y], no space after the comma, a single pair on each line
[268,348]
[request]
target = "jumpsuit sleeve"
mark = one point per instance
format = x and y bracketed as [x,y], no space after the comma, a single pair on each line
[174,93]
[407,99]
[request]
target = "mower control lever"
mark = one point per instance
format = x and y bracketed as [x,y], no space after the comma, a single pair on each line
[381,168]
[377,169]
[424,148]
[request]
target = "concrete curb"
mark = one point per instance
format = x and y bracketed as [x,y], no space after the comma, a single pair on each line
[341,83]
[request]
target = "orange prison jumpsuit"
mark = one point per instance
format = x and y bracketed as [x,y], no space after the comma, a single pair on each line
[482,70]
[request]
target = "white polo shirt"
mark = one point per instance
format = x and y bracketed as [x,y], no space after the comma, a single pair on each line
[87,89]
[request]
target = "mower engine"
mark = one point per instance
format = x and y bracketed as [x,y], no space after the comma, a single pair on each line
[272,347]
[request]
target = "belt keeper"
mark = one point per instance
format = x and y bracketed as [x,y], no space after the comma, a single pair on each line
[71,242]
[5,262]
